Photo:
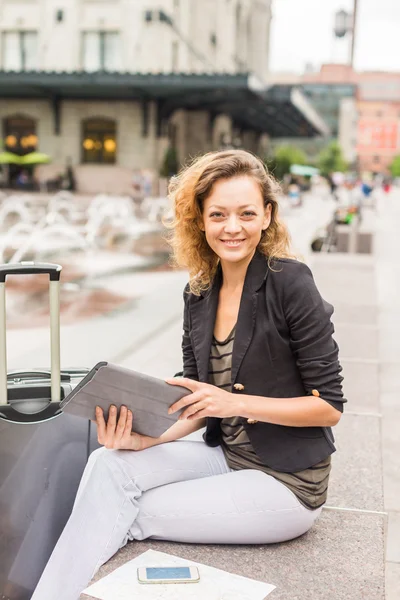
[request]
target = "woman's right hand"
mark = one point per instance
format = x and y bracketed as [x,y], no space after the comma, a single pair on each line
[118,435]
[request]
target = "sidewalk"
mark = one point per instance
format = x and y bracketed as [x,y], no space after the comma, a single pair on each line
[357,539]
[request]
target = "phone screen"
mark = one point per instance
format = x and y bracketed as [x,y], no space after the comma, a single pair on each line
[168,573]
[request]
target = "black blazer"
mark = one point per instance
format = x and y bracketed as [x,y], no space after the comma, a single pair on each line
[283,348]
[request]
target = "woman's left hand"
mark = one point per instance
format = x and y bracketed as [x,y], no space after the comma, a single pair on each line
[206,400]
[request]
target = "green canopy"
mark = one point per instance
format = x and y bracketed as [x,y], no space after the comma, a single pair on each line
[35,158]
[8,158]
[304,170]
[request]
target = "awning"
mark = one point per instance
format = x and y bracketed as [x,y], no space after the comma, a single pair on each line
[304,170]
[279,110]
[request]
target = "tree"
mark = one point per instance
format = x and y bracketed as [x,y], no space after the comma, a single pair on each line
[284,158]
[331,159]
[395,167]
[170,165]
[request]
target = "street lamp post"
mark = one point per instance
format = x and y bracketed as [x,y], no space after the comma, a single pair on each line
[353,36]
[346,23]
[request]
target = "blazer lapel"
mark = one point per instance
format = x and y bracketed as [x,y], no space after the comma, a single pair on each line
[256,274]
[204,310]
[203,313]
[244,328]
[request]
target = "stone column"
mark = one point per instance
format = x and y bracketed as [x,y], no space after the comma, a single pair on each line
[197,139]
[249,141]
[222,129]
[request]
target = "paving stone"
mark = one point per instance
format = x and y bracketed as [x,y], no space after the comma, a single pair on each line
[393,538]
[389,377]
[340,558]
[390,405]
[356,477]
[355,314]
[392,581]
[388,283]
[388,318]
[391,462]
[351,291]
[389,341]
[347,280]
[343,263]
[361,386]
[357,341]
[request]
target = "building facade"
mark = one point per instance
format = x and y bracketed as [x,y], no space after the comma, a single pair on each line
[369,123]
[362,109]
[378,108]
[107,86]
[332,91]
[137,36]
[103,139]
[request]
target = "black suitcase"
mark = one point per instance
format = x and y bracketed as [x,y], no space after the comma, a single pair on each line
[42,453]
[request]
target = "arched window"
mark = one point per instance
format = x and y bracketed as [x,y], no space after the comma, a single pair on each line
[99,141]
[19,134]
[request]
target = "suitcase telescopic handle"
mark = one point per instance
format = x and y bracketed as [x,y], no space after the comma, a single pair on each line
[31,268]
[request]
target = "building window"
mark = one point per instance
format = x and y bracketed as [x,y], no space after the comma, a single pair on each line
[250,41]
[20,51]
[99,141]
[241,40]
[175,56]
[19,134]
[101,51]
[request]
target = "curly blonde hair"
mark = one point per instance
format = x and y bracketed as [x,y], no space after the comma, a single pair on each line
[188,191]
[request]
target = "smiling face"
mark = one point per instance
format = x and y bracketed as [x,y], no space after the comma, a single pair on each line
[234,217]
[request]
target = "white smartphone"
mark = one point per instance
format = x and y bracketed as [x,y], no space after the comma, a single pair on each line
[168,574]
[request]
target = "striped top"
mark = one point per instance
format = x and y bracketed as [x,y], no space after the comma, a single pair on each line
[310,486]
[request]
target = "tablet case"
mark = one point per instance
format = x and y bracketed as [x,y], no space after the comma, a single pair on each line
[147,397]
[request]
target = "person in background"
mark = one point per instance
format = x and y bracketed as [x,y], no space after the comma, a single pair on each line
[333,186]
[23,180]
[294,194]
[387,185]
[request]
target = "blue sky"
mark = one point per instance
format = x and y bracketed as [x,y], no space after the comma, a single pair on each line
[302,32]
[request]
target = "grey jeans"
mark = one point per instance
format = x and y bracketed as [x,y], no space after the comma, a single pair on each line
[182,491]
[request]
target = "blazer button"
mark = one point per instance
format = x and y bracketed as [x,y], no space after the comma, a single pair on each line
[315,393]
[240,387]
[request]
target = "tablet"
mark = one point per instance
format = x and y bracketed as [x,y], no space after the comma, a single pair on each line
[147,397]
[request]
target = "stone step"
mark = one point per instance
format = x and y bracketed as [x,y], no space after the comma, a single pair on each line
[341,558]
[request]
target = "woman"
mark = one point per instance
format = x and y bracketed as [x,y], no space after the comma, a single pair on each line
[263,369]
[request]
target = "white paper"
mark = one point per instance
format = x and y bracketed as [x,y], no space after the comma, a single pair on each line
[214,584]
